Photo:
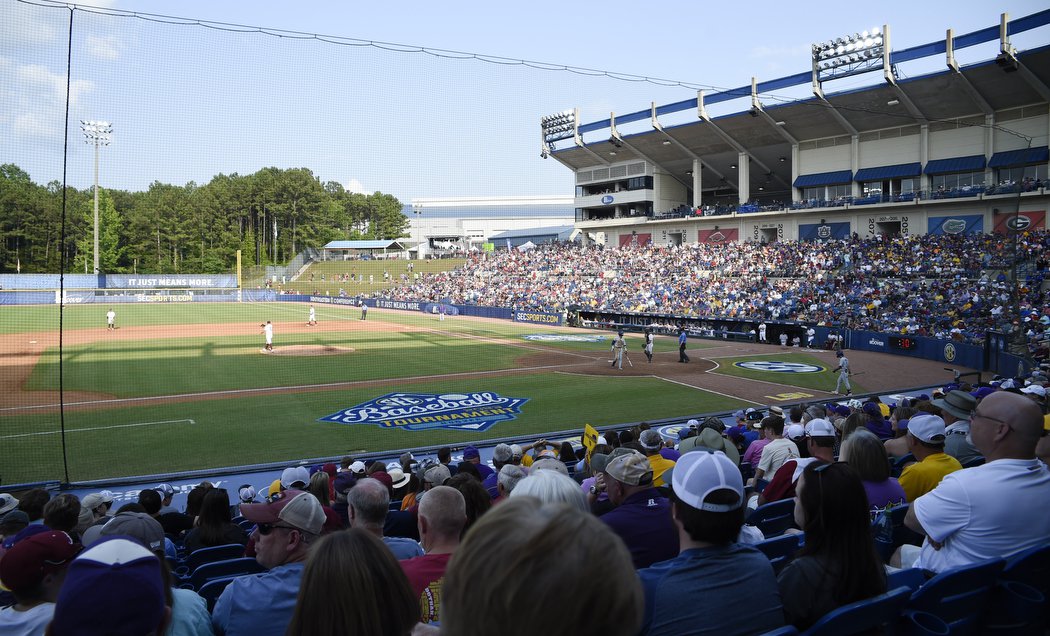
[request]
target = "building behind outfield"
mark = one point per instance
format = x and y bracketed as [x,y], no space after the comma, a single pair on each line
[957,150]
[459,224]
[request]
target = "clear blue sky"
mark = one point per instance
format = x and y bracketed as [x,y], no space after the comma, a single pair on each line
[188,102]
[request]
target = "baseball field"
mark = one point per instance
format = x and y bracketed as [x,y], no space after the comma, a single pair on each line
[180,387]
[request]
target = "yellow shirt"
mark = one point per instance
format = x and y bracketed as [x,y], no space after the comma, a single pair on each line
[659,464]
[922,477]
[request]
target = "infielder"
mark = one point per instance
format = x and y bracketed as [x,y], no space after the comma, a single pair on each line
[844,373]
[268,333]
[111,319]
[649,344]
[313,317]
[618,348]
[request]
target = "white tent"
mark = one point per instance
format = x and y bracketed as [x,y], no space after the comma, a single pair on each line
[526,246]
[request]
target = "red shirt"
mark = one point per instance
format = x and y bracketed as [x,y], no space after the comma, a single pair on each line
[425,576]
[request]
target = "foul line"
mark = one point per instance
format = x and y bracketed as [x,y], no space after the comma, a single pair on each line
[96,428]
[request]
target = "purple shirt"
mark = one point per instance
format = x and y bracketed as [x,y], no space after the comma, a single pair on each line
[670,453]
[754,452]
[644,523]
[882,495]
[881,428]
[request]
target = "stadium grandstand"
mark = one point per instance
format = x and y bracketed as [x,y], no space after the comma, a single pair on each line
[171,477]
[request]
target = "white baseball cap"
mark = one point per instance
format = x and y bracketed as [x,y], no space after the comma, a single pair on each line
[927,427]
[699,473]
[819,428]
[1034,389]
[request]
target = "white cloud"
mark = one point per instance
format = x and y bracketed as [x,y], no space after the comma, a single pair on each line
[33,125]
[356,187]
[40,81]
[33,99]
[103,48]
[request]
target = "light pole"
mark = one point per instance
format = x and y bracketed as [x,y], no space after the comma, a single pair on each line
[97,133]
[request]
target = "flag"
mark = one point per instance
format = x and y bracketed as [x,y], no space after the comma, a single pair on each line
[18,265]
[590,438]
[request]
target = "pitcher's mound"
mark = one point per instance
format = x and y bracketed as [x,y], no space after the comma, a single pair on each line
[310,350]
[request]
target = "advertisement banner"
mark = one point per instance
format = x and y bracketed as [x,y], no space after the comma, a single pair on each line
[151,281]
[956,224]
[1024,221]
[537,317]
[823,231]
[476,411]
[409,305]
[718,236]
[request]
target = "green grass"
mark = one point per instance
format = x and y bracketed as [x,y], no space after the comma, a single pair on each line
[821,381]
[264,428]
[375,268]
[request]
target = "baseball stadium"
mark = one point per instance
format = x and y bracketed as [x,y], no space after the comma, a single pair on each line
[858,244]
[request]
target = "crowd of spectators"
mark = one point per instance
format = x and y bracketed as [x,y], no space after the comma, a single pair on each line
[651,529]
[884,284]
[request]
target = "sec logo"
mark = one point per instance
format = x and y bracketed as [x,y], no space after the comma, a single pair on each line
[949,352]
[774,366]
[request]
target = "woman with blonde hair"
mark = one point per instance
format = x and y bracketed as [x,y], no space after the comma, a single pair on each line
[353,585]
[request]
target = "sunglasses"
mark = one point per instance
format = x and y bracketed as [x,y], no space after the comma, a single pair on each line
[266,528]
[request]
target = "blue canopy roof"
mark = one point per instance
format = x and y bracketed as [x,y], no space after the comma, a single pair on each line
[898,171]
[973,163]
[1024,157]
[823,178]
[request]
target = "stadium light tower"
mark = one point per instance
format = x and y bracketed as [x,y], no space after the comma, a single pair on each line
[563,125]
[98,133]
[851,55]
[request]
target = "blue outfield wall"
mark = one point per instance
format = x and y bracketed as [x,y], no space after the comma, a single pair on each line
[946,351]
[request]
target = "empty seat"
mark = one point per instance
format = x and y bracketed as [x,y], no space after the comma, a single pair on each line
[773,518]
[959,596]
[222,569]
[199,557]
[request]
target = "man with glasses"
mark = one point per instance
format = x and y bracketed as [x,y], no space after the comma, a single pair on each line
[261,604]
[991,510]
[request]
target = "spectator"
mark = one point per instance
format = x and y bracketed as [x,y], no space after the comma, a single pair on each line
[320,488]
[509,478]
[442,516]
[444,456]
[189,612]
[34,569]
[754,450]
[778,451]
[838,564]
[475,497]
[699,590]
[567,568]
[955,408]
[8,502]
[353,585]
[63,513]
[113,587]
[820,441]
[472,455]
[261,604]
[641,516]
[501,456]
[551,486]
[652,442]
[926,443]
[992,510]
[369,504]
[866,454]
[174,523]
[32,503]
[214,526]
[167,493]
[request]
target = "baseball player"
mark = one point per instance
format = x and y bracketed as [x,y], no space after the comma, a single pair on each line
[618,347]
[783,339]
[762,332]
[811,333]
[649,344]
[313,317]
[844,373]
[111,319]
[268,333]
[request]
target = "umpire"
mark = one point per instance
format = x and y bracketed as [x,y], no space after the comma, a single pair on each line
[682,338]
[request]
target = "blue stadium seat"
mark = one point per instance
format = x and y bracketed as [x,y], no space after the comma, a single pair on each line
[1032,567]
[911,578]
[773,518]
[900,463]
[215,553]
[786,630]
[959,596]
[901,533]
[222,569]
[976,461]
[780,550]
[863,616]
[211,590]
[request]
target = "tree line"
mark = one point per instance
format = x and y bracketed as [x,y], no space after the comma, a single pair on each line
[270,216]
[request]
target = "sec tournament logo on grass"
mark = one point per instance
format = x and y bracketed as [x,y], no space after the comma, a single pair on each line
[772,366]
[562,337]
[424,411]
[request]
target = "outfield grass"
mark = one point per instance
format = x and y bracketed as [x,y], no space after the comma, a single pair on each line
[375,268]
